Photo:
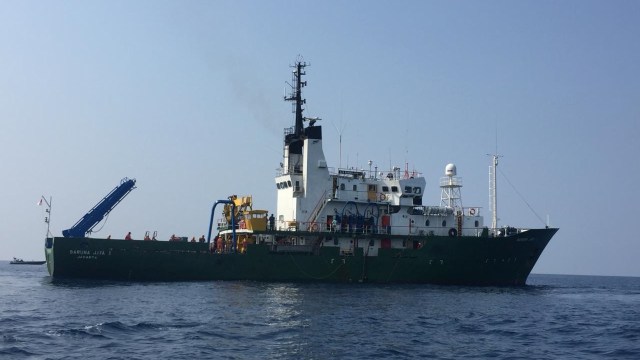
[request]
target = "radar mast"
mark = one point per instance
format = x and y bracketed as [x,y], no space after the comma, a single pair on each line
[296,95]
[450,184]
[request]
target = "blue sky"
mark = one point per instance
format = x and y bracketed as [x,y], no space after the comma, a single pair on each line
[186,97]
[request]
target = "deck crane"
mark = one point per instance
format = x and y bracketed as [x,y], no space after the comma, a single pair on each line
[103,208]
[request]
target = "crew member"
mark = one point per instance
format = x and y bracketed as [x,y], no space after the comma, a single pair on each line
[128,237]
[272,222]
[220,244]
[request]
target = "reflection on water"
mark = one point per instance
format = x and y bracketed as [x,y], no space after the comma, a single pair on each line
[283,305]
[564,316]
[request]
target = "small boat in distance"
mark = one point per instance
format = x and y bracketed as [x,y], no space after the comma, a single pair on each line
[17,261]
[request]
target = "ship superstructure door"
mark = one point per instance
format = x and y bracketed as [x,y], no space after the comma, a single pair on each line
[373,246]
[372,192]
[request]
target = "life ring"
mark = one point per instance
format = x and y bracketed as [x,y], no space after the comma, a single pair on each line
[314,227]
[383,197]
[453,232]
[472,211]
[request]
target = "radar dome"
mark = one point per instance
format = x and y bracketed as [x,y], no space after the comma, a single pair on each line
[450,170]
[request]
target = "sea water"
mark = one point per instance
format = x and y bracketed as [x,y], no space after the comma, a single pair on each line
[553,317]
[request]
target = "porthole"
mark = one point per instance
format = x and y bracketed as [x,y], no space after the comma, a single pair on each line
[426,223]
[444,223]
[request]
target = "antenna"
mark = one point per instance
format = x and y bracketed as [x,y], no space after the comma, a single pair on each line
[339,131]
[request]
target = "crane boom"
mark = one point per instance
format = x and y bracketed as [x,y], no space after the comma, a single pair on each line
[102,209]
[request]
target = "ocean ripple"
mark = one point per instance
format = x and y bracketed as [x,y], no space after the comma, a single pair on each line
[568,317]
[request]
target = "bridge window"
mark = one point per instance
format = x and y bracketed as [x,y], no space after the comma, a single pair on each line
[385,189]
[394,188]
[417,190]
[407,189]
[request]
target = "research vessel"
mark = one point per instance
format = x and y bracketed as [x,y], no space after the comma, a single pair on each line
[330,225]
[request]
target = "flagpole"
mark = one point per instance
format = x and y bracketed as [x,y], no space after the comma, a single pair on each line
[49,211]
[47,219]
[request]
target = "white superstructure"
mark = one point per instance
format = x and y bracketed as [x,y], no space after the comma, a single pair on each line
[313,197]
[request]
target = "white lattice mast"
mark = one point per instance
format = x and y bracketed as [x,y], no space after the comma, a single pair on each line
[493,190]
[451,185]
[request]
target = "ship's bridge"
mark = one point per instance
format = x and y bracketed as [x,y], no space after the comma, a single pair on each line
[291,183]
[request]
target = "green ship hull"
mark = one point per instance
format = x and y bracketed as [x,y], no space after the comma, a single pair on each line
[465,260]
